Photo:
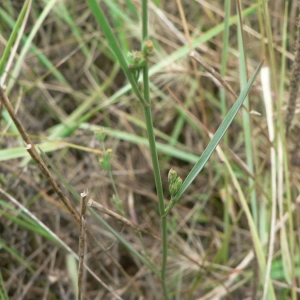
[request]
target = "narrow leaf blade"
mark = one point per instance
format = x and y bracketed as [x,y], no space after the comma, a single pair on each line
[217,137]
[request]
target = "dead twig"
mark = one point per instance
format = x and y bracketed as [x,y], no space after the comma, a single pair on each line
[29,145]
[294,85]
[213,72]
[120,218]
[82,242]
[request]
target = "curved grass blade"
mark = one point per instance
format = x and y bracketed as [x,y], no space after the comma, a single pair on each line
[13,36]
[102,21]
[214,142]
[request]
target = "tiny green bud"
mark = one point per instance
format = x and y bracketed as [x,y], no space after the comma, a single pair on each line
[100,134]
[105,160]
[148,48]
[173,190]
[174,187]
[130,60]
[109,153]
[172,175]
[178,182]
[138,56]
[104,163]
[136,60]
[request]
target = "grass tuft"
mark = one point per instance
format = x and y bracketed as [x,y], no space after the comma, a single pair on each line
[191,179]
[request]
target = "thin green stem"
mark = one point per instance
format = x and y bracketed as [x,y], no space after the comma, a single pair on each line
[155,163]
[144,19]
[13,37]
[159,191]
[246,120]
[154,156]
[223,252]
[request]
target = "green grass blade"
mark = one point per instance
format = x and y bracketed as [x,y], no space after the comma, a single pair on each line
[246,120]
[16,255]
[26,47]
[13,37]
[5,18]
[217,137]
[177,151]
[12,153]
[3,291]
[223,253]
[100,17]
[134,139]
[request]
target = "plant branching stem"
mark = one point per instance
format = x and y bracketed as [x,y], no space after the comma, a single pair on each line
[154,156]
[159,191]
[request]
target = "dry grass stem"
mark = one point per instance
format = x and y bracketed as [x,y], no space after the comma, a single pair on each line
[82,242]
[30,147]
[294,83]
[213,72]
[120,218]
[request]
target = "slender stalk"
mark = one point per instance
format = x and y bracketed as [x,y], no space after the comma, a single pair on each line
[154,156]
[286,232]
[82,243]
[159,191]
[246,117]
[144,20]
[294,84]
[224,250]
[13,36]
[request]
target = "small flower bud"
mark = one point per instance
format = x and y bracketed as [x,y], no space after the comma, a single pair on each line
[173,190]
[174,187]
[105,160]
[172,175]
[148,48]
[136,60]
[109,153]
[178,182]
[100,134]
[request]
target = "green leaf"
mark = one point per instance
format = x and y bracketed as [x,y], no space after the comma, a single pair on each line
[13,37]
[216,138]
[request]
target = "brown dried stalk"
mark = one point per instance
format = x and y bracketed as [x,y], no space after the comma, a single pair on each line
[35,156]
[120,218]
[213,72]
[294,85]
[82,240]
